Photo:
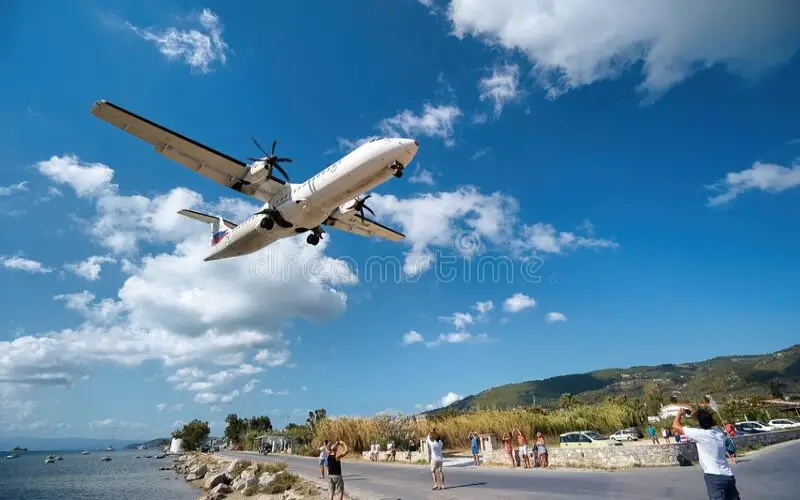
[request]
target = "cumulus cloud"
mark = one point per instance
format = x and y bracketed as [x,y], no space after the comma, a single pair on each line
[446,400]
[13,188]
[483,308]
[434,121]
[271,392]
[542,237]
[173,307]
[91,267]
[162,407]
[422,176]
[766,177]
[20,263]
[555,317]
[113,423]
[412,337]
[573,43]
[199,49]
[518,302]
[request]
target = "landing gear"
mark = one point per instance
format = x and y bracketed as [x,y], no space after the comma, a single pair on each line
[267,223]
[315,236]
[398,169]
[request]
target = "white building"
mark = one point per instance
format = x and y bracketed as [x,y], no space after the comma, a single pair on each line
[176,446]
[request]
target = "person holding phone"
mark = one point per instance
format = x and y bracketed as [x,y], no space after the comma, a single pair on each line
[717,472]
[336,452]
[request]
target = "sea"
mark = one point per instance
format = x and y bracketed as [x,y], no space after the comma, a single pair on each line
[86,477]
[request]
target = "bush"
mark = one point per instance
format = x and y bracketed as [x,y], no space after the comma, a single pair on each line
[282,482]
[271,468]
[239,468]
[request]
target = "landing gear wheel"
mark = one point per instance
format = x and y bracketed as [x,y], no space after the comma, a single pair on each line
[312,239]
[267,223]
[398,174]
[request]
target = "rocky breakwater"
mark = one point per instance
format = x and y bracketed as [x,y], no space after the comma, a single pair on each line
[222,477]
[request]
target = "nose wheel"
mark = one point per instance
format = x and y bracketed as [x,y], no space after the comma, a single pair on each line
[398,168]
[315,236]
[267,223]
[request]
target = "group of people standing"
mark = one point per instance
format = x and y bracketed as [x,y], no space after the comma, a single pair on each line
[529,459]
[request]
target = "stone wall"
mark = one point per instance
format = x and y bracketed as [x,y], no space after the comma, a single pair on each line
[626,456]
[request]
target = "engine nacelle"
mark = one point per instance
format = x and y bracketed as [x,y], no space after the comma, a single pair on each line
[259,172]
[347,206]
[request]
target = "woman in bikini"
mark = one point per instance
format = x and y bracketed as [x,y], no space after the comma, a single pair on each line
[541,449]
[509,448]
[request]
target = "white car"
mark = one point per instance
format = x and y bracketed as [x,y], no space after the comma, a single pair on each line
[758,426]
[783,423]
[624,435]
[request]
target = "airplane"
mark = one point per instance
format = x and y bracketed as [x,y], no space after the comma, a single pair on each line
[332,197]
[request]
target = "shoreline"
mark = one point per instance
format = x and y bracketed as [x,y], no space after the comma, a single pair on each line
[219,477]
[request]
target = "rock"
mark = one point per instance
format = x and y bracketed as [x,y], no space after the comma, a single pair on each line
[265,479]
[243,482]
[199,470]
[291,495]
[215,480]
[218,492]
[233,465]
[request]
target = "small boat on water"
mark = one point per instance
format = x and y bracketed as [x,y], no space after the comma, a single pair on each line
[85,453]
[109,448]
[106,458]
[50,459]
[60,457]
[14,455]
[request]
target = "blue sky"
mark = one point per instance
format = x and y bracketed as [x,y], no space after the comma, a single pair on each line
[645,209]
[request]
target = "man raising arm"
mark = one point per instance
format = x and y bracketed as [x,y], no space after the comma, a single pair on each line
[337,451]
[717,473]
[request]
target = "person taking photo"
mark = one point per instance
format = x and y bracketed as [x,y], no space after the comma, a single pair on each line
[717,472]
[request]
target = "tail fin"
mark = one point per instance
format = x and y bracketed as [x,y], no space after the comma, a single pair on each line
[219,226]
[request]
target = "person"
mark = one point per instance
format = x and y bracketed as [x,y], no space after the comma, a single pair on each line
[651,431]
[509,448]
[522,441]
[541,449]
[336,452]
[474,442]
[323,458]
[665,434]
[412,444]
[730,448]
[390,451]
[435,446]
[717,473]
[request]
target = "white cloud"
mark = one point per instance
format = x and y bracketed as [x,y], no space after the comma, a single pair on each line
[19,263]
[501,87]
[91,267]
[249,386]
[435,121]
[112,423]
[555,317]
[412,337]
[162,407]
[541,237]
[422,176]
[198,49]
[766,177]
[13,188]
[458,319]
[446,400]
[270,392]
[518,302]
[483,308]
[346,145]
[578,42]
[173,307]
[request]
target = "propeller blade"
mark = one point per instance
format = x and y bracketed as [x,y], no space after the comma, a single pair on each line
[274,143]
[366,198]
[281,170]
[367,209]
[285,160]
[259,145]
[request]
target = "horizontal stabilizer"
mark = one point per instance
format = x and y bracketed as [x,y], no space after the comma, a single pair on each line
[208,219]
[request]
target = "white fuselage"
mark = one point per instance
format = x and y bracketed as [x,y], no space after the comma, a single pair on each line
[309,204]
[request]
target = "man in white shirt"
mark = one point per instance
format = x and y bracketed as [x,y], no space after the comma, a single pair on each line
[435,446]
[718,475]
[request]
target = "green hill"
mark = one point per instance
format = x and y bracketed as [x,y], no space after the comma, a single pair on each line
[729,376]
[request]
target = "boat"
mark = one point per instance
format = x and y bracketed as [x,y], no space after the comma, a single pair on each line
[106,458]
[14,455]
[85,452]
[60,457]
[109,448]
[50,460]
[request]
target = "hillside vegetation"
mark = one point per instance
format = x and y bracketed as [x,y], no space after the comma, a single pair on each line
[763,375]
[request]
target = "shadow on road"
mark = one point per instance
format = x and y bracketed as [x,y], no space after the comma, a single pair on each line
[482,483]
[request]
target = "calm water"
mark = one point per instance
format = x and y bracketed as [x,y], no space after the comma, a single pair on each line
[86,477]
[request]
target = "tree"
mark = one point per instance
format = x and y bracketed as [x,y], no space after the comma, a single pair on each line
[193,434]
[775,387]
[315,416]
[235,428]
[567,401]
[261,423]
[653,397]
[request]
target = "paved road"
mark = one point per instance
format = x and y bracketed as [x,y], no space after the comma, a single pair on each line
[772,473]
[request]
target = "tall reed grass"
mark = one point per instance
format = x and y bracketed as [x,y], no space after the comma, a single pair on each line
[454,429]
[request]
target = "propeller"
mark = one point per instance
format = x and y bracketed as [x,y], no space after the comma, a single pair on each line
[360,205]
[271,159]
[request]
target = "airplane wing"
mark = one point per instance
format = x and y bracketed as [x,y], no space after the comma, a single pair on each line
[352,222]
[202,159]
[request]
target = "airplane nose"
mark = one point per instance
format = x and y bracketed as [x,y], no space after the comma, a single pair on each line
[409,145]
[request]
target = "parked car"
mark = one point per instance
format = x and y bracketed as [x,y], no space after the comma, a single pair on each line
[624,435]
[783,423]
[585,439]
[749,427]
[636,432]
